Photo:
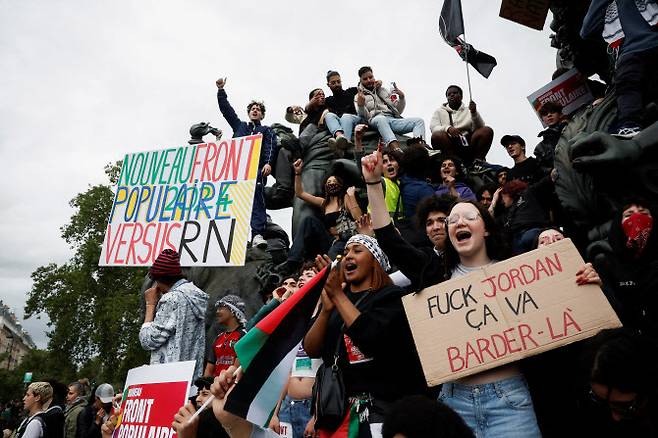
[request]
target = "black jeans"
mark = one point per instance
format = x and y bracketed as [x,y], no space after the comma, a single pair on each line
[311,239]
[634,72]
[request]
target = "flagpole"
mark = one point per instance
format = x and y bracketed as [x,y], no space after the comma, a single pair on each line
[468,72]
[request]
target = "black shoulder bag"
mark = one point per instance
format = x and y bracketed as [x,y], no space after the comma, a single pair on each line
[329,403]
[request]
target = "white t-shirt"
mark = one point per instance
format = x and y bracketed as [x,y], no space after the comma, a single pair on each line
[33,429]
[461,270]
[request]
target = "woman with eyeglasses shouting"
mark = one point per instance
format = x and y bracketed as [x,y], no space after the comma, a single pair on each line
[495,402]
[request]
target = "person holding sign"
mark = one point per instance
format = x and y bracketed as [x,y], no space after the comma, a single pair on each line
[268,153]
[496,402]
[173,326]
[363,329]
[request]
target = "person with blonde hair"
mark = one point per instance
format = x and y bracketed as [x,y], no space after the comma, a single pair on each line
[37,397]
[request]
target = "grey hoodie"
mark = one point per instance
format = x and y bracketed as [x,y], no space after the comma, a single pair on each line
[177,333]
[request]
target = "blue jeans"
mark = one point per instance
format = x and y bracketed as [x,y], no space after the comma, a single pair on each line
[258,212]
[524,241]
[389,126]
[345,123]
[297,413]
[500,409]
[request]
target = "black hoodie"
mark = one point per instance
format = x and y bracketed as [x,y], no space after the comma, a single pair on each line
[633,280]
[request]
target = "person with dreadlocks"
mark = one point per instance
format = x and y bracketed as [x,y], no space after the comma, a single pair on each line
[230,314]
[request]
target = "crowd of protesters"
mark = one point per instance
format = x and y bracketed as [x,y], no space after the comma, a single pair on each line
[420,213]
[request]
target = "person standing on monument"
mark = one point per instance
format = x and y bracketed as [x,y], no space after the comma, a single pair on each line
[268,153]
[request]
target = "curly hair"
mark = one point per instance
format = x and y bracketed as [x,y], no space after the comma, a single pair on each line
[260,104]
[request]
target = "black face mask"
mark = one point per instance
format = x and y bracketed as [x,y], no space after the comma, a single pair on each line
[333,188]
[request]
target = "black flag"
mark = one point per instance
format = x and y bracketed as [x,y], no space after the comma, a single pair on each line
[451,27]
[451,22]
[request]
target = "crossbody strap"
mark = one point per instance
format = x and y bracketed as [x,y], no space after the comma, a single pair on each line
[342,330]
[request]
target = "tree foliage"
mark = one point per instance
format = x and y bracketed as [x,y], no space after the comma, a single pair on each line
[94,311]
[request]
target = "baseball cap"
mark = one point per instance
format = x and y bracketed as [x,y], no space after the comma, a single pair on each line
[204,382]
[105,393]
[509,139]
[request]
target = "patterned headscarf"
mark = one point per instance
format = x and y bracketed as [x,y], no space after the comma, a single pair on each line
[236,305]
[371,244]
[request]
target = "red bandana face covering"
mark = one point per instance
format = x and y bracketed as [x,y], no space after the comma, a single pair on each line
[637,228]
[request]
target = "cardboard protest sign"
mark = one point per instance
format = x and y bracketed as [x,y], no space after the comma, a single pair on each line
[531,13]
[152,396]
[504,312]
[569,89]
[194,199]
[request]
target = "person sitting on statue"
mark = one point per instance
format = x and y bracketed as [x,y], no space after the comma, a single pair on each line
[458,130]
[551,115]
[268,154]
[329,234]
[382,109]
[342,116]
[629,28]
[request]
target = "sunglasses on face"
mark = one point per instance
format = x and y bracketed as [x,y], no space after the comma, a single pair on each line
[624,409]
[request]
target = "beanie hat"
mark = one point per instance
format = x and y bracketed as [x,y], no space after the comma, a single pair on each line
[166,265]
[373,246]
[236,305]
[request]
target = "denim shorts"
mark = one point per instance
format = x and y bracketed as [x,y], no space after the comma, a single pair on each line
[297,413]
[499,409]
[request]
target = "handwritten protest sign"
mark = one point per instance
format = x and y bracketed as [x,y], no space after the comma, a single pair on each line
[505,311]
[194,199]
[531,13]
[151,397]
[569,89]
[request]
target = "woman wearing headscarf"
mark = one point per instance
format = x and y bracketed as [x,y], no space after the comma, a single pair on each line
[230,314]
[362,328]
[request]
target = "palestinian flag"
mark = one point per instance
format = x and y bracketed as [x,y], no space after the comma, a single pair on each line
[266,353]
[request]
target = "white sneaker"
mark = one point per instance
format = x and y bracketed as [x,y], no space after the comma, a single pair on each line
[259,241]
[628,132]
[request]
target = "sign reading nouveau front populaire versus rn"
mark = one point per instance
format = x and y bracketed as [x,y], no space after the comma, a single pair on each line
[194,199]
[504,312]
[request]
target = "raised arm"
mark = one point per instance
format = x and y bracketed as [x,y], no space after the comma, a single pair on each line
[227,110]
[299,189]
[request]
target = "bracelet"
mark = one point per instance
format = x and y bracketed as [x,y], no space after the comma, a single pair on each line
[372,183]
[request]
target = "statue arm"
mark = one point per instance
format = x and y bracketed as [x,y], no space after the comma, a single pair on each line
[600,148]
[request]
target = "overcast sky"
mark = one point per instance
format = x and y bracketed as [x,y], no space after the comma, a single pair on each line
[83,83]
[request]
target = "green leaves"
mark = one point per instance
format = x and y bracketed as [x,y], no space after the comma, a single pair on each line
[94,311]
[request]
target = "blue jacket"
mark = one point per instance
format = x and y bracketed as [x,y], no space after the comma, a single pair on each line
[268,149]
[413,191]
